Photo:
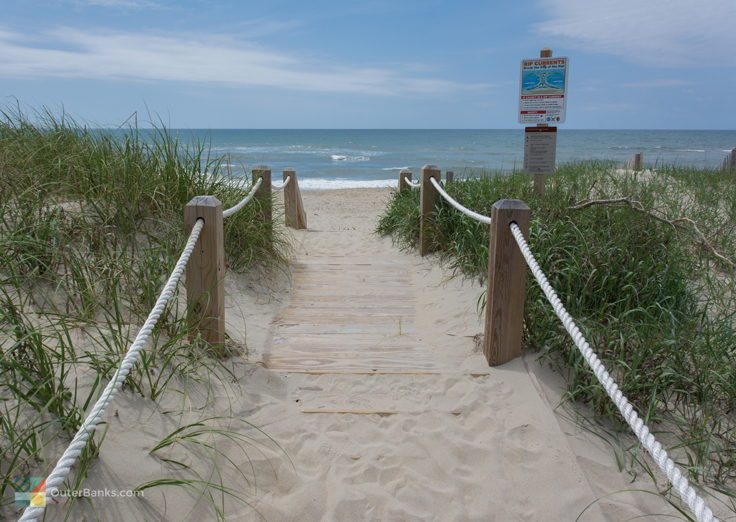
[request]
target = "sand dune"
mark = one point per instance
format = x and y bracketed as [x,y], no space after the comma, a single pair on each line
[460,442]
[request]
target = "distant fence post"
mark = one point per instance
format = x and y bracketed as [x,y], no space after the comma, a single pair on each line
[263,195]
[449,176]
[506,283]
[293,205]
[638,161]
[729,162]
[428,200]
[403,175]
[206,270]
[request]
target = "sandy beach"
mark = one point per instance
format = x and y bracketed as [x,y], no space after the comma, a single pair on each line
[459,441]
[176,346]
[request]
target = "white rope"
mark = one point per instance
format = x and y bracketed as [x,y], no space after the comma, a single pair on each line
[244,201]
[659,454]
[412,185]
[67,460]
[466,211]
[282,185]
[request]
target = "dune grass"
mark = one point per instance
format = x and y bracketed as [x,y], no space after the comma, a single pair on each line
[654,300]
[90,228]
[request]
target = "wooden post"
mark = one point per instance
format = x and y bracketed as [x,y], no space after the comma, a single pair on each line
[506,283]
[428,200]
[293,205]
[404,174]
[449,176]
[541,179]
[263,195]
[205,271]
[290,198]
[301,213]
[729,162]
[638,161]
[539,182]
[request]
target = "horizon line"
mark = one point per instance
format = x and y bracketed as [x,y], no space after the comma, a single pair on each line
[402,129]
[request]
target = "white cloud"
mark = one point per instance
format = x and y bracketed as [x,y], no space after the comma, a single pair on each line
[75,53]
[660,33]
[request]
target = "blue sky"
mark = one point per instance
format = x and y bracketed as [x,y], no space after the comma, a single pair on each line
[655,64]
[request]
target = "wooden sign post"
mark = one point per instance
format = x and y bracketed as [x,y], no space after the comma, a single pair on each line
[539,179]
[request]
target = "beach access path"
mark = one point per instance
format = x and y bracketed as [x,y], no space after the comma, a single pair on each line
[372,401]
[371,379]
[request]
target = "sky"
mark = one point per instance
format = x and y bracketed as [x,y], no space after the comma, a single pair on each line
[633,64]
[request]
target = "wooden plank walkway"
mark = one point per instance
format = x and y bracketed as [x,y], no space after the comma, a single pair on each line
[351,315]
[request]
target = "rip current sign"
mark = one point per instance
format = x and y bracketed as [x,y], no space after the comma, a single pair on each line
[543,90]
[540,149]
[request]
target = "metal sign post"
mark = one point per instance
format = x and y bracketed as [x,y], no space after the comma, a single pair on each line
[543,101]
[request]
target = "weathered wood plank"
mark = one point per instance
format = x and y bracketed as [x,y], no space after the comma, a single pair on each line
[355,412]
[349,260]
[357,339]
[344,329]
[288,362]
[351,316]
[302,311]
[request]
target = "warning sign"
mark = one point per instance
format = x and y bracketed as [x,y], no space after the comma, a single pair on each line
[540,149]
[543,90]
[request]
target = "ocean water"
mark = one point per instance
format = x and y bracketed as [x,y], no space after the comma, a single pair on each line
[327,159]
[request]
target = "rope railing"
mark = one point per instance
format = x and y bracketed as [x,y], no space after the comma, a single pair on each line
[78,443]
[411,183]
[63,467]
[454,203]
[654,448]
[504,315]
[282,186]
[229,212]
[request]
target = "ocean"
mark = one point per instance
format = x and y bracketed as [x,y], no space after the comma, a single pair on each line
[326,159]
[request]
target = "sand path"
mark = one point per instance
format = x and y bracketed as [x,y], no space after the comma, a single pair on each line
[363,368]
[450,439]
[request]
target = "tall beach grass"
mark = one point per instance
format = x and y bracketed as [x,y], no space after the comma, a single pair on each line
[90,228]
